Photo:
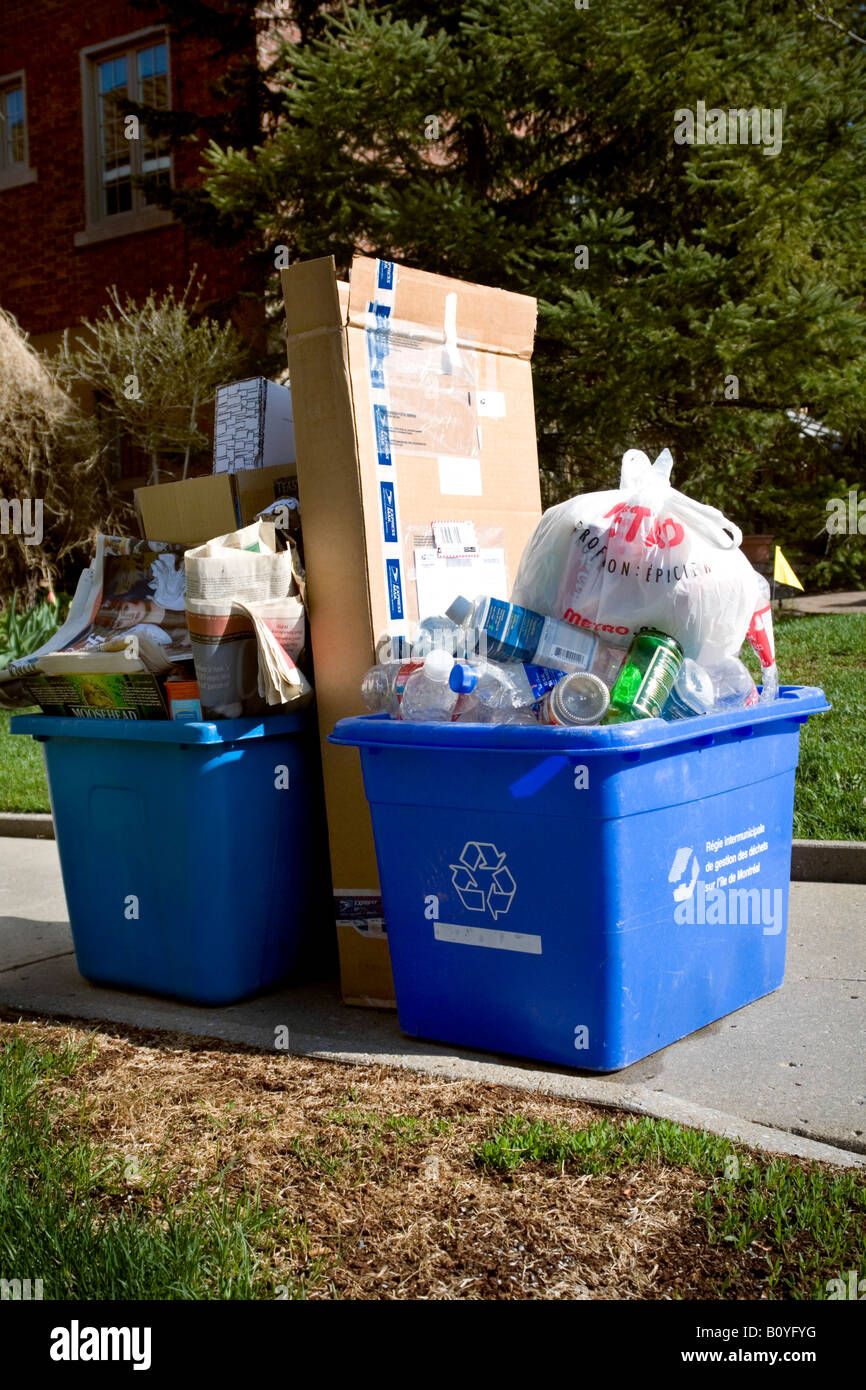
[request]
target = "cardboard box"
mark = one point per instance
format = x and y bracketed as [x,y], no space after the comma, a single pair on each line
[97,696]
[252,426]
[412,399]
[187,513]
[196,510]
[257,489]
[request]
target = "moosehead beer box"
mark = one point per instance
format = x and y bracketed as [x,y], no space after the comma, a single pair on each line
[414,431]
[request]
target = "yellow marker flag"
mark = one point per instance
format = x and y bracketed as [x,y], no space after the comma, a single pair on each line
[783,574]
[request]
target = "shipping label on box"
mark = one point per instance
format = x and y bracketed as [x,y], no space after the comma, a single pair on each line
[412,404]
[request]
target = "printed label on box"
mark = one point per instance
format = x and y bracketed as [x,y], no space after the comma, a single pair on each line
[389,513]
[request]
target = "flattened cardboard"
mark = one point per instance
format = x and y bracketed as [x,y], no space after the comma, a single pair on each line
[189,512]
[350,587]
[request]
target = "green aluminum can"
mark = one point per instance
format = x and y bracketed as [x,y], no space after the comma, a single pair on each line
[647,677]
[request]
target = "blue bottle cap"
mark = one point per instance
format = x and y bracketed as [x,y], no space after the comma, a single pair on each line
[462,678]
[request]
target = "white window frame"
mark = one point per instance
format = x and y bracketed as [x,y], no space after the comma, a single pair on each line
[13,175]
[100,226]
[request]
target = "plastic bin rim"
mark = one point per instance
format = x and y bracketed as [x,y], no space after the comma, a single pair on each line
[794,702]
[43,726]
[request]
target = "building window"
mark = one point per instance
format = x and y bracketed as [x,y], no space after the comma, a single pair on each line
[14,167]
[123,151]
[118,148]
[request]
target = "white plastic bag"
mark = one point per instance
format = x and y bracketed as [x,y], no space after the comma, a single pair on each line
[642,555]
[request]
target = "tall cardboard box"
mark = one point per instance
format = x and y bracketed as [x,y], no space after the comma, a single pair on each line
[413,411]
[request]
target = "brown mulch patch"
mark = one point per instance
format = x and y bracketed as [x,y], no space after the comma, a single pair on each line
[381,1197]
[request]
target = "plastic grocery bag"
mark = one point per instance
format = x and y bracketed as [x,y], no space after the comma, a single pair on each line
[642,555]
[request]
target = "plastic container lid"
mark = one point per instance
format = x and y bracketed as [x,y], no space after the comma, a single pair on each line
[581,698]
[459,610]
[462,678]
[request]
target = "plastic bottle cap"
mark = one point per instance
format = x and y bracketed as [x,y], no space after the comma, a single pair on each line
[438,666]
[459,610]
[580,698]
[462,678]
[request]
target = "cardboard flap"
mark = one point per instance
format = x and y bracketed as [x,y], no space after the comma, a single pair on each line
[311,296]
[496,320]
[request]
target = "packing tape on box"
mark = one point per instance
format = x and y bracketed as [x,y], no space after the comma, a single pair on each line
[378,329]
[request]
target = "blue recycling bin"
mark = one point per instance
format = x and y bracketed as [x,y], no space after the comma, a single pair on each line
[583,896]
[194,855]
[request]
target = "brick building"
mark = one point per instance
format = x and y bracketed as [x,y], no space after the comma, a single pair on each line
[71,221]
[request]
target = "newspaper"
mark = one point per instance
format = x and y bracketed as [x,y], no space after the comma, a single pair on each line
[132,588]
[247,623]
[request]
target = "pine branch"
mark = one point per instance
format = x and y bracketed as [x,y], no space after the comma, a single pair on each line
[834,23]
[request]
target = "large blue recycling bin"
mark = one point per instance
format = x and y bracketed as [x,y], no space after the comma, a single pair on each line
[583,896]
[194,855]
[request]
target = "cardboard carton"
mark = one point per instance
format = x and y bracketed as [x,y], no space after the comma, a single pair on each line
[196,510]
[98,696]
[415,438]
[258,488]
[187,513]
[252,426]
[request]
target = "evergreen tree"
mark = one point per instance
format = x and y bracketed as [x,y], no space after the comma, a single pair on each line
[696,295]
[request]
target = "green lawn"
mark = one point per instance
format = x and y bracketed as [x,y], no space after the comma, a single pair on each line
[22,772]
[831,782]
[137,1166]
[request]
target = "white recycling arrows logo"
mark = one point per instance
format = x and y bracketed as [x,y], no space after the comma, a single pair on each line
[682,858]
[483,880]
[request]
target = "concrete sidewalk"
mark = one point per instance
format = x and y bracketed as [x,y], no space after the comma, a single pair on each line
[786,1073]
[853,601]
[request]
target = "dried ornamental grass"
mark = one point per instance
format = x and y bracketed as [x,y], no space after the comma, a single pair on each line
[49,455]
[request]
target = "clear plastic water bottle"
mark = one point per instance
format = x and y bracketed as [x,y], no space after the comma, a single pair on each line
[733,687]
[504,632]
[698,689]
[493,692]
[383,685]
[428,697]
[486,693]
[692,692]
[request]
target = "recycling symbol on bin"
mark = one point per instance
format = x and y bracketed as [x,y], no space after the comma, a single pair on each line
[483,879]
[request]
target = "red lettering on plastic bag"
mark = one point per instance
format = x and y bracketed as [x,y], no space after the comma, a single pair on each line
[666,532]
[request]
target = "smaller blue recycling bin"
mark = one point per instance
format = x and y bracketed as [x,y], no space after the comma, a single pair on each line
[583,896]
[194,855]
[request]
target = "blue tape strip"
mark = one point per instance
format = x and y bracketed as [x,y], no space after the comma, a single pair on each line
[383,435]
[395,589]
[389,512]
